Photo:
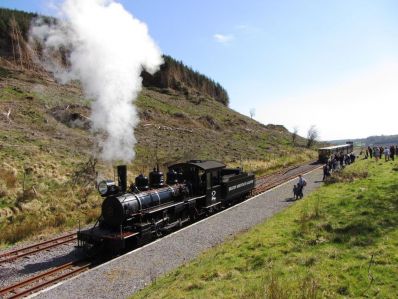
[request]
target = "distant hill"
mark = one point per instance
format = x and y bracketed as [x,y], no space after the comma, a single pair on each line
[371,140]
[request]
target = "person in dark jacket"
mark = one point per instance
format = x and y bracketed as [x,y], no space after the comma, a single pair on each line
[341,159]
[326,171]
[334,163]
[300,186]
[370,152]
[392,152]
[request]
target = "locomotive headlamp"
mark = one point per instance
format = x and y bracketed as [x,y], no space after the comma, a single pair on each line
[106,188]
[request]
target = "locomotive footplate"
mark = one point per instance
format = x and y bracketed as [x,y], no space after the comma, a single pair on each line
[109,239]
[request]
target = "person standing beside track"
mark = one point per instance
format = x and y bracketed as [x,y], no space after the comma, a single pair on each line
[392,152]
[300,184]
[370,152]
[387,154]
[326,171]
[376,153]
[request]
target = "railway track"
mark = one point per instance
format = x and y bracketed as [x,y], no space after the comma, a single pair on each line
[44,279]
[270,181]
[284,171]
[12,255]
[67,270]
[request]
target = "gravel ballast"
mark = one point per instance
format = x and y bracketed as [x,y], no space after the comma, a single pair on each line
[24,267]
[127,274]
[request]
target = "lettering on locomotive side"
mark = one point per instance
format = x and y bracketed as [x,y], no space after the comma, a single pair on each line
[240,185]
[213,195]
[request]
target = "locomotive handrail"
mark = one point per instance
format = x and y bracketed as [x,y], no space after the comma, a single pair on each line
[96,222]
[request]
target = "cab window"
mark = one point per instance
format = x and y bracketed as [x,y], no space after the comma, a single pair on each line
[215,178]
[208,180]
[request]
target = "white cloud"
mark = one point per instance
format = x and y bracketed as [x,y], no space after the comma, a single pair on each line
[223,38]
[365,104]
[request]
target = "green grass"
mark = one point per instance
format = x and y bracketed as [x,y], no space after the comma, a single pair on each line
[151,103]
[339,242]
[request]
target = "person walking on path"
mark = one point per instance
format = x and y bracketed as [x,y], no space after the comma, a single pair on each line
[300,185]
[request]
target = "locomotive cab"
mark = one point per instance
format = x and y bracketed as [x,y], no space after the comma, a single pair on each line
[203,179]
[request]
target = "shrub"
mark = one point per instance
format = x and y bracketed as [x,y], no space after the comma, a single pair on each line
[3,189]
[347,176]
[9,175]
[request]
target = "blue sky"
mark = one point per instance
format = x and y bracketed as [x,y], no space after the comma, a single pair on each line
[297,63]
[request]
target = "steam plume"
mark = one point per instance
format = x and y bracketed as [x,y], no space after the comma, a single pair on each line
[107,50]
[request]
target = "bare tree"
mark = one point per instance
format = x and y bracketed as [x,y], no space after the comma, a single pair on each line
[252,112]
[7,115]
[294,135]
[312,136]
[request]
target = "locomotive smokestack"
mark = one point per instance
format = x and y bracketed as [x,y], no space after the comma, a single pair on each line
[122,177]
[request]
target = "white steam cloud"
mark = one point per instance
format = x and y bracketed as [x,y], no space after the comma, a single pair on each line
[107,50]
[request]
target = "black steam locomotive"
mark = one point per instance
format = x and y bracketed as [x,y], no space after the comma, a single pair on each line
[150,208]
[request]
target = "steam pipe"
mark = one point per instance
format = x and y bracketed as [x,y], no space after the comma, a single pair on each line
[122,177]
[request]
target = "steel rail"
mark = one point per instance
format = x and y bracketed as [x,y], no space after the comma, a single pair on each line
[12,255]
[285,170]
[275,180]
[45,279]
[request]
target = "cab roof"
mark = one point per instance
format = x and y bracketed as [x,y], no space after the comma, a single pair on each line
[335,146]
[205,165]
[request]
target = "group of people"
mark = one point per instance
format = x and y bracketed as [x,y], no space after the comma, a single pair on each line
[378,152]
[298,188]
[337,162]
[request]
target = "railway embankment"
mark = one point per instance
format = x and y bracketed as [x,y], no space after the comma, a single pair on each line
[127,274]
[338,242]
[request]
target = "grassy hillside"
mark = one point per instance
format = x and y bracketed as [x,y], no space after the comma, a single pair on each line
[339,242]
[48,168]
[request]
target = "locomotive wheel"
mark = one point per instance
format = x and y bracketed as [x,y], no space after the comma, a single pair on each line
[158,232]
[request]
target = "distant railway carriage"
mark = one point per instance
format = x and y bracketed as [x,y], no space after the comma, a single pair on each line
[326,152]
[150,208]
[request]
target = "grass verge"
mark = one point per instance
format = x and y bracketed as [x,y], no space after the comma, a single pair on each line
[341,241]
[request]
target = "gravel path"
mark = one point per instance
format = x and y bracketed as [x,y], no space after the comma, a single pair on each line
[125,275]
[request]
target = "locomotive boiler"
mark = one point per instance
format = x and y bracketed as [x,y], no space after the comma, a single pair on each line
[117,209]
[150,208]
